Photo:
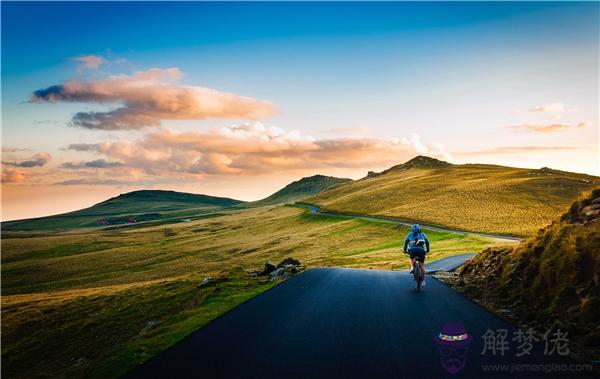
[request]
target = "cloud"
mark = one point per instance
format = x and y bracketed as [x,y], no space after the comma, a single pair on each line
[7,149]
[90,61]
[147,98]
[10,175]
[38,160]
[255,149]
[550,128]
[98,163]
[551,108]
[79,182]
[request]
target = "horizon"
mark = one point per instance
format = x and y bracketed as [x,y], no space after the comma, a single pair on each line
[245,98]
[276,190]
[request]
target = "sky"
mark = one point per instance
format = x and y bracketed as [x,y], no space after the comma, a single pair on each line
[239,99]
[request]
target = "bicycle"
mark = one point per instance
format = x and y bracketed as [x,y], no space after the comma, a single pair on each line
[417,273]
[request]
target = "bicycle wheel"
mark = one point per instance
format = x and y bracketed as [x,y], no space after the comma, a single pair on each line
[417,274]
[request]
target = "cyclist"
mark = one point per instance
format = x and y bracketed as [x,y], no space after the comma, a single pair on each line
[416,245]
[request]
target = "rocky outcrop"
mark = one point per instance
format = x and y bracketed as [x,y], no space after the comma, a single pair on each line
[288,262]
[269,268]
[283,270]
[205,282]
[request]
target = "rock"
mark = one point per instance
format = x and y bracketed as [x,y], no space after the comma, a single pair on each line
[276,273]
[288,262]
[279,274]
[149,325]
[269,268]
[206,281]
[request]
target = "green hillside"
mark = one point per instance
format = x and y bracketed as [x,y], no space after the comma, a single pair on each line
[474,197]
[143,206]
[301,189]
[78,304]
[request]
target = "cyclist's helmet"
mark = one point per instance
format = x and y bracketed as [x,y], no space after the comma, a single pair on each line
[416,228]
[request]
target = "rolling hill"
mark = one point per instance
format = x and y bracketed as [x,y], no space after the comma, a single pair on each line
[95,304]
[301,189]
[473,197]
[132,207]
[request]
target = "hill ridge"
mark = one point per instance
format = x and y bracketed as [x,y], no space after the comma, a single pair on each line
[145,193]
[483,198]
[302,188]
[127,208]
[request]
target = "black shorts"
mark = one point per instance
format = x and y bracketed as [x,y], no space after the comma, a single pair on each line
[417,253]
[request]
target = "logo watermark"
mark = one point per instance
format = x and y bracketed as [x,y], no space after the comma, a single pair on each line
[453,345]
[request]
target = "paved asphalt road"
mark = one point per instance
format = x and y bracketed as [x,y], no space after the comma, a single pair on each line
[447,264]
[340,323]
[315,210]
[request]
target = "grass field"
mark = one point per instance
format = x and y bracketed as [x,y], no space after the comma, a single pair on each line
[473,197]
[79,304]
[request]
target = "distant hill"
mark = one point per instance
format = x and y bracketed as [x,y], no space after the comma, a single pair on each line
[301,189]
[552,276]
[128,208]
[474,197]
[421,161]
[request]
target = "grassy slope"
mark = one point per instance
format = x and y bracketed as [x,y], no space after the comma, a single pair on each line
[554,275]
[301,189]
[146,205]
[74,304]
[474,197]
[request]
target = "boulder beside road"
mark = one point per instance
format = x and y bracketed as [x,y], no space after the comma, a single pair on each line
[283,270]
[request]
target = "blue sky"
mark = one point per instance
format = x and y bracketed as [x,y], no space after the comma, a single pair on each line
[465,76]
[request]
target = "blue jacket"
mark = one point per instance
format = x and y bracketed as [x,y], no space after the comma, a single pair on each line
[416,236]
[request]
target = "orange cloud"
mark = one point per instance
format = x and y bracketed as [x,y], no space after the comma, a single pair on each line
[550,128]
[255,149]
[10,175]
[147,98]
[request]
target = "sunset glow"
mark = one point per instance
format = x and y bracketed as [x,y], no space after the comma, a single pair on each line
[241,99]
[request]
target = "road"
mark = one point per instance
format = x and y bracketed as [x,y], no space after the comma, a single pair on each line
[342,323]
[449,263]
[315,210]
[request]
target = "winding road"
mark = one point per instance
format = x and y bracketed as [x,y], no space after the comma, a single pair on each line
[348,323]
[315,210]
[352,323]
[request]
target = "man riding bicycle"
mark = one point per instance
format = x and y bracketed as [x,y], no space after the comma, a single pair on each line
[416,245]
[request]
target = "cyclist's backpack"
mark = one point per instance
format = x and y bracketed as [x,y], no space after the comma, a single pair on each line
[419,240]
